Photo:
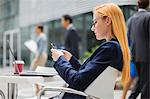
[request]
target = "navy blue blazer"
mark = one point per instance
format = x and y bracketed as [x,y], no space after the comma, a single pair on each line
[79,76]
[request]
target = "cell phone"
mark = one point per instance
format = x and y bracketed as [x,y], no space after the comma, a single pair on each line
[53,46]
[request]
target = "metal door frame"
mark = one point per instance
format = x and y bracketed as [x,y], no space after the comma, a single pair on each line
[11,40]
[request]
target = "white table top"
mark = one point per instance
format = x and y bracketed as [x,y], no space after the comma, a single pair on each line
[28,79]
[20,79]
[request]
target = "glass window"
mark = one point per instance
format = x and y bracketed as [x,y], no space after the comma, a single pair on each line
[91,40]
[128,11]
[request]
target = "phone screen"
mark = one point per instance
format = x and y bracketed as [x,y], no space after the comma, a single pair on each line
[53,46]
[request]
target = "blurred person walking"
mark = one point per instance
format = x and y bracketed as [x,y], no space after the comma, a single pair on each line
[71,35]
[41,55]
[139,31]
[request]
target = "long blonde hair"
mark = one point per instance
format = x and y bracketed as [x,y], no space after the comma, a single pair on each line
[119,31]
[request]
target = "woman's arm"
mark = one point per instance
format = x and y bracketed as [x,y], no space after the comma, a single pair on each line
[40,49]
[73,60]
[75,63]
[82,78]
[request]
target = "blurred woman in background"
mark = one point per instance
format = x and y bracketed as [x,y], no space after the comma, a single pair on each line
[41,55]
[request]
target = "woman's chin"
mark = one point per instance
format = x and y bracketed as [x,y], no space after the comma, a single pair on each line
[99,38]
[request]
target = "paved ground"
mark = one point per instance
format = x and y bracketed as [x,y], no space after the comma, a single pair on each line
[117,94]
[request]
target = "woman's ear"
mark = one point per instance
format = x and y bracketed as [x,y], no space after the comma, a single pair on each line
[108,20]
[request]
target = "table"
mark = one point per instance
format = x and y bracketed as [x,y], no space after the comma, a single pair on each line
[13,81]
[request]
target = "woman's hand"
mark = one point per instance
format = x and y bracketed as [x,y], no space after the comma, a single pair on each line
[56,54]
[67,54]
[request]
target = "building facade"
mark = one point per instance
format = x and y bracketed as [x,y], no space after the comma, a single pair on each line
[25,14]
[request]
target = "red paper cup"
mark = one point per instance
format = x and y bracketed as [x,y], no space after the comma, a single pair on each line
[18,66]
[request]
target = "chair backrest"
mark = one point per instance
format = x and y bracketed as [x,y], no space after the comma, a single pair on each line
[103,86]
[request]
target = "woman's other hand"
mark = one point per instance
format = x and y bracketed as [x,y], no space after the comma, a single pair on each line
[56,54]
[67,54]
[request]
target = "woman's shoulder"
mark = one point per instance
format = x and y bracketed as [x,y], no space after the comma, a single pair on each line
[43,37]
[110,45]
[112,50]
[106,47]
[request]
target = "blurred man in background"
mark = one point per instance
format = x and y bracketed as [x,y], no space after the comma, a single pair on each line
[139,32]
[71,36]
[41,55]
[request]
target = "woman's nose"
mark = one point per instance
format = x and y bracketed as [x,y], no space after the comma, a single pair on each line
[92,28]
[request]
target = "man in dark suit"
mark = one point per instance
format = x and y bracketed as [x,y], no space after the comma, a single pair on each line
[139,32]
[71,36]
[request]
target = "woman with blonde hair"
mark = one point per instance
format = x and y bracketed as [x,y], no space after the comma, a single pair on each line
[109,27]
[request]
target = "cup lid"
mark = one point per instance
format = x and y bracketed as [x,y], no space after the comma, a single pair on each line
[18,62]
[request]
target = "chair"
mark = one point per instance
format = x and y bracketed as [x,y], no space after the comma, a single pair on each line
[2,96]
[101,87]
